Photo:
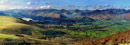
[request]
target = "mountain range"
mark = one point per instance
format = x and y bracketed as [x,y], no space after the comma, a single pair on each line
[68,14]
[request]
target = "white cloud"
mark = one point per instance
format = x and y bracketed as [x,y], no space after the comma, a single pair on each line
[29,3]
[106,5]
[32,3]
[11,8]
[1,2]
[98,6]
[41,7]
[3,7]
[49,3]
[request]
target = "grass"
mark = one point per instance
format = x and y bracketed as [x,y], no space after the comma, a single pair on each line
[5,36]
[112,29]
[110,26]
[76,25]
[74,33]
[10,25]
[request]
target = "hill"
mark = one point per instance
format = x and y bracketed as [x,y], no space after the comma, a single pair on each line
[115,39]
[10,25]
[14,30]
[66,14]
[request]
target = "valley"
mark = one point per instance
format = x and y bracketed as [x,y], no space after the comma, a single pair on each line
[61,27]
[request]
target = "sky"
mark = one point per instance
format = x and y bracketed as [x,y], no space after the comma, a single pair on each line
[63,4]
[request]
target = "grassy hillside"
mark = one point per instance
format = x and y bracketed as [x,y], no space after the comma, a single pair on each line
[10,25]
[15,29]
[4,36]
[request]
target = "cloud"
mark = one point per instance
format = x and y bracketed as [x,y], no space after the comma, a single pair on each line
[32,3]
[3,7]
[1,2]
[106,5]
[49,3]
[29,3]
[20,7]
[41,7]
[102,6]
[98,6]
[28,7]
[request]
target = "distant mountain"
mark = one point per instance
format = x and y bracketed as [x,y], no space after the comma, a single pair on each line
[106,14]
[42,14]
[109,11]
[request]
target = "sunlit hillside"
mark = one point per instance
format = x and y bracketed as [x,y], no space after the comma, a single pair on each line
[16,29]
[10,25]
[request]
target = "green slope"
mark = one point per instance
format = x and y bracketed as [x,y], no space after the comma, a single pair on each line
[5,36]
[10,25]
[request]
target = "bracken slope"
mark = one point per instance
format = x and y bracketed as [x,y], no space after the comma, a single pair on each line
[115,39]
